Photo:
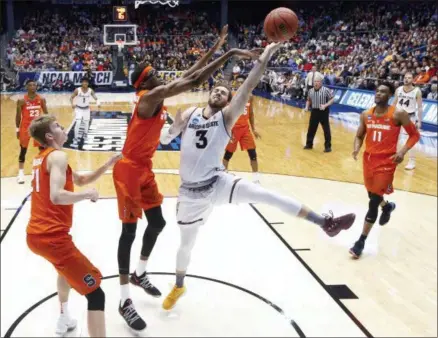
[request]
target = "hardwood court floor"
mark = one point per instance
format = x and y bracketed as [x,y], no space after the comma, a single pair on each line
[396,279]
[283,130]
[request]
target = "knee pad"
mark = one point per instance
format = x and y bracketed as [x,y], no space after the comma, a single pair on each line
[373,207]
[96,300]
[228,156]
[22,156]
[252,154]
[155,219]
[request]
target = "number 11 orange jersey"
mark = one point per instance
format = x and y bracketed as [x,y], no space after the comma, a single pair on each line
[46,217]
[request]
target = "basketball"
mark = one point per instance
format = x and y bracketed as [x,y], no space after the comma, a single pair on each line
[281,24]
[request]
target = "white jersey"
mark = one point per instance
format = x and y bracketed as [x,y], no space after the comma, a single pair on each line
[202,146]
[83,99]
[407,100]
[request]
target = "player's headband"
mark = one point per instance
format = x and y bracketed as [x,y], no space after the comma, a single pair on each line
[145,75]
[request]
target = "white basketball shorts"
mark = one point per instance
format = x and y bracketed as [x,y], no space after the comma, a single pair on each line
[195,205]
[82,113]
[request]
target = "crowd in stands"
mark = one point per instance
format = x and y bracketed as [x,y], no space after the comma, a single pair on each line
[370,43]
[352,44]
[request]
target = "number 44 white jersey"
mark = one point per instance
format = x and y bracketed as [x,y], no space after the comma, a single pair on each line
[407,100]
[202,146]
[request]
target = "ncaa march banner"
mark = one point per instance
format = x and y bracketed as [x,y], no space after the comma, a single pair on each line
[104,78]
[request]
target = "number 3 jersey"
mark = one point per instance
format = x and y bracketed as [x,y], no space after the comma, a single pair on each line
[407,101]
[381,132]
[203,144]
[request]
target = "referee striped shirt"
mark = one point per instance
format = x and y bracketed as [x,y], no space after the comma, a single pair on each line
[320,96]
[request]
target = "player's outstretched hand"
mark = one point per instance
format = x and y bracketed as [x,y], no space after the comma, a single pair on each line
[223,36]
[398,157]
[92,195]
[273,47]
[114,159]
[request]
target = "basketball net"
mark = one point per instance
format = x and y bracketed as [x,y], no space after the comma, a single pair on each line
[120,44]
[171,3]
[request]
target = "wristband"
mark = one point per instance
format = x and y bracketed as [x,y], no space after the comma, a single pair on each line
[17,130]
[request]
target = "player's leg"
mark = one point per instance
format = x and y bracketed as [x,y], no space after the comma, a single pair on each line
[377,185]
[24,139]
[78,123]
[412,152]
[252,153]
[247,142]
[151,200]
[313,127]
[76,271]
[230,149]
[325,123]
[193,210]
[86,116]
[65,322]
[128,198]
[243,191]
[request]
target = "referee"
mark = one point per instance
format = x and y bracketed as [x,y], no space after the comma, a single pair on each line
[319,98]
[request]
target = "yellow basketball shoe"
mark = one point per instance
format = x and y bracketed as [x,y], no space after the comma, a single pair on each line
[173,297]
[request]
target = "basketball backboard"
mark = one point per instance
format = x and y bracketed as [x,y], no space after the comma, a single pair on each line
[114,34]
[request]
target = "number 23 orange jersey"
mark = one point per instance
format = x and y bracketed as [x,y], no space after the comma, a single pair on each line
[30,110]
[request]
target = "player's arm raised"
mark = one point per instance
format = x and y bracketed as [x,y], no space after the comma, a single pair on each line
[18,117]
[178,125]
[420,108]
[237,104]
[75,93]
[57,167]
[402,117]
[84,179]
[44,106]
[360,136]
[148,102]
[207,56]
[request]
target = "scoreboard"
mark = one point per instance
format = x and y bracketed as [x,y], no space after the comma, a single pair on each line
[120,14]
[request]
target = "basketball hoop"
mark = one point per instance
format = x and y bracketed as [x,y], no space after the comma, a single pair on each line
[171,3]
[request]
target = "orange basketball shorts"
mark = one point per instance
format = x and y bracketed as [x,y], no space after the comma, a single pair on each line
[24,138]
[70,263]
[136,190]
[242,136]
[378,172]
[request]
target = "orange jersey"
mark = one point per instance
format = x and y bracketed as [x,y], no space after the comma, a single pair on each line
[381,132]
[243,120]
[45,217]
[30,110]
[143,136]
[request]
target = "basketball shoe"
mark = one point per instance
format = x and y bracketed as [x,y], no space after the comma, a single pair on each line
[173,297]
[356,250]
[386,213]
[131,317]
[333,226]
[143,282]
[64,325]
